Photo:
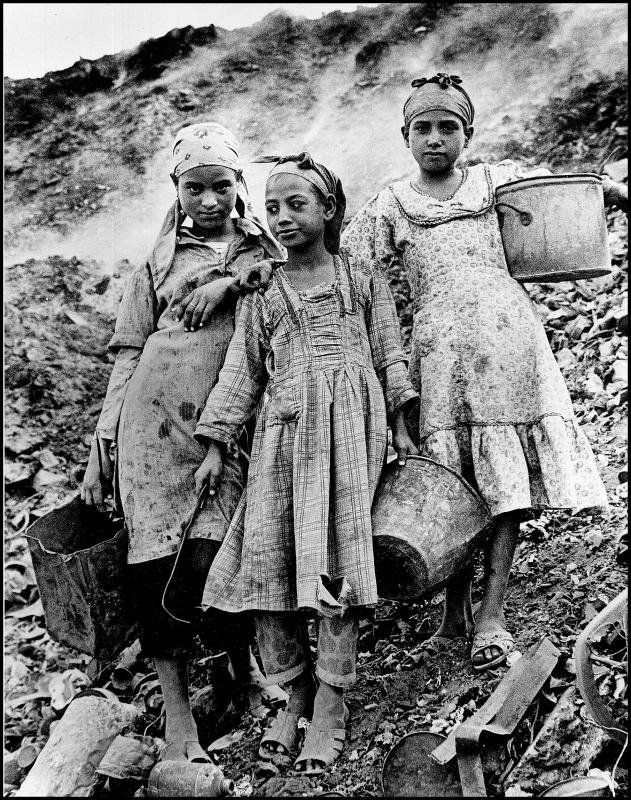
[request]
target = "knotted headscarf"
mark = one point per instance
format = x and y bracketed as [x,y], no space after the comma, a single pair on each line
[441,91]
[205,144]
[325,181]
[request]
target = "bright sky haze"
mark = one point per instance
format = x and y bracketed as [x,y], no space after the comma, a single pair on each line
[42,37]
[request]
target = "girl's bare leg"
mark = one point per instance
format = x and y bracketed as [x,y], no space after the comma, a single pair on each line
[180,725]
[498,558]
[457,612]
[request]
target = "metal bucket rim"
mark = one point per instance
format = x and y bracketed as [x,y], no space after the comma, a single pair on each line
[399,741]
[575,778]
[95,548]
[540,180]
[476,496]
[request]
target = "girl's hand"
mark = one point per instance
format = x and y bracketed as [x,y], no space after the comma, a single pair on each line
[197,307]
[257,276]
[401,440]
[210,469]
[616,194]
[96,482]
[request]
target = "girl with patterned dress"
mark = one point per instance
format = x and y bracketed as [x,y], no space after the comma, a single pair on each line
[493,402]
[321,349]
[174,325]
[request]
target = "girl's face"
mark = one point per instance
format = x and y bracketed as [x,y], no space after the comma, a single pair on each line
[436,139]
[208,195]
[296,214]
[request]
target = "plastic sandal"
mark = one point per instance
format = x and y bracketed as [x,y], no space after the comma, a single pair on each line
[323,745]
[283,731]
[500,639]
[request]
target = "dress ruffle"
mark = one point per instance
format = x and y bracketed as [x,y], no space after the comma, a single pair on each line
[532,466]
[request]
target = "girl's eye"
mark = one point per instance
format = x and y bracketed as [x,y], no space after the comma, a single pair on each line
[271,209]
[194,190]
[296,205]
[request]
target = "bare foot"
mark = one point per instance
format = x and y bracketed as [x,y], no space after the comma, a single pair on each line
[178,732]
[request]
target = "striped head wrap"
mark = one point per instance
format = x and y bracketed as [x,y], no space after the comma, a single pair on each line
[324,180]
[441,91]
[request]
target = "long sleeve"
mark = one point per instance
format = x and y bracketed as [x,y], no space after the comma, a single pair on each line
[385,343]
[126,361]
[138,311]
[242,379]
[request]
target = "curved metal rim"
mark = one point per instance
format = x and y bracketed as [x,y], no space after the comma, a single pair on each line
[462,480]
[586,177]
[407,735]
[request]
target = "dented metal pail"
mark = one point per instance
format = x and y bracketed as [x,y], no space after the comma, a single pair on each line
[554,227]
[426,521]
[408,771]
[79,558]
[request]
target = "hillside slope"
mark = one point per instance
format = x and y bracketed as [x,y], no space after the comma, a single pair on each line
[86,153]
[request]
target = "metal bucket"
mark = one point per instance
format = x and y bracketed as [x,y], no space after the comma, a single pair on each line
[554,227]
[79,558]
[579,787]
[408,771]
[426,521]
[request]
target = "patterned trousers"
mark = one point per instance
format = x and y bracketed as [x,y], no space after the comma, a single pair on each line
[284,646]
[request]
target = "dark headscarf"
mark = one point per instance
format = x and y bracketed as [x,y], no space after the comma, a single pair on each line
[441,91]
[325,181]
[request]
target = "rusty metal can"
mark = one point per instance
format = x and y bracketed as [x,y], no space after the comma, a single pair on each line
[186,779]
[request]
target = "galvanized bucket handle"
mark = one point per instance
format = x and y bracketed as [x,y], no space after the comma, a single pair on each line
[525,217]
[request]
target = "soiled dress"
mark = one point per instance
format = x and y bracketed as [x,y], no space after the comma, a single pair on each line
[328,362]
[172,377]
[494,405]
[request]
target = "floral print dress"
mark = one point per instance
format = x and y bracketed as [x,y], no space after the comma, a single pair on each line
[494,405]
[327,363]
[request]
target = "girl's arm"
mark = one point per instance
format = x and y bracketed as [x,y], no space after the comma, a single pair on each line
[616,194]
[242,379]
[134,324]
[390,362]
[197,308]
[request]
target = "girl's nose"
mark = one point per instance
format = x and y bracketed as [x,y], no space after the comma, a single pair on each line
[284,215]
[209,200]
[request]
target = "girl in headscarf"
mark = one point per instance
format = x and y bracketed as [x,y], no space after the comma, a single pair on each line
[163,373]
[322,348]
[494,405]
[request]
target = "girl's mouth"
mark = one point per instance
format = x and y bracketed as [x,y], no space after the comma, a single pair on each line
[287,233]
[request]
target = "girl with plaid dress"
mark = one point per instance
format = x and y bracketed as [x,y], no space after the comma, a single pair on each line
[321,349]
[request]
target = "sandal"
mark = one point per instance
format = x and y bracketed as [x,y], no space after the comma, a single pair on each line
[500,639]
[323,745]
[263,698]
[195,753]
[283,731]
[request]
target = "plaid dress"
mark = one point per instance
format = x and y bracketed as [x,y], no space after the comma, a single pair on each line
[327,362]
